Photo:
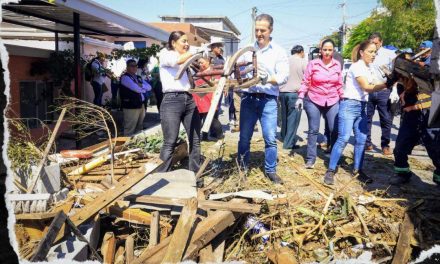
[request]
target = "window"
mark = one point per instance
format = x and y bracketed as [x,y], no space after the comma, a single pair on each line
[140,44]
[36,101]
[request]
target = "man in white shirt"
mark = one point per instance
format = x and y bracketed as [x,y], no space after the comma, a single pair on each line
[260,101]
[381,100]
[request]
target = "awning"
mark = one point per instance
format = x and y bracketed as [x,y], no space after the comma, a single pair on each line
[95,19]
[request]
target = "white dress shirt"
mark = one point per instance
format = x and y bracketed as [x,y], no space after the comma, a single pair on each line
[273,59]
[168,68]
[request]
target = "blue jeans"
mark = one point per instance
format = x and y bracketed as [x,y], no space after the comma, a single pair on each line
[314,113]
[264,108]
[380,100]
[352,117]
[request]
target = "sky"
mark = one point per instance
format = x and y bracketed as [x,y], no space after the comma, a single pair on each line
[295,22]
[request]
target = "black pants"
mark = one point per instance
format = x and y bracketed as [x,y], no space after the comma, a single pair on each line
[413,127]
[97,90]
[290,117]
[215,130]
[179,108]
[380,100]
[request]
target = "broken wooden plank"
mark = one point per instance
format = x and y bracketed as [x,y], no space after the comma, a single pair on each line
[46,151]
[36,216]
[129,249]
[214,104]
[214,252]
[206,254]
[203,204]
[119,171]
[47,241]
[180,237]
[157,252]
[133,215]
[203,234]
[154,229]
[203,167]
[134,177]
[108,196]
[108,247]
[87,178]
[119,256]
[209,229]
[403,249]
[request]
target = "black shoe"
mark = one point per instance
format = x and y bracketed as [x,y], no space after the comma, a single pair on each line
[273,177]
[400,178]
[328,150]
[361,176]
[329,177]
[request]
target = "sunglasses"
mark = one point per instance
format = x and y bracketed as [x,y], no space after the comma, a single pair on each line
[132,65]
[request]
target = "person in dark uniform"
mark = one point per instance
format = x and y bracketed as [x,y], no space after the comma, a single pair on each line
[413,128]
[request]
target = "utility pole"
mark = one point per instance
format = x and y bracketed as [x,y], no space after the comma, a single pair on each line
[253,16]
[182,11]
[343,6]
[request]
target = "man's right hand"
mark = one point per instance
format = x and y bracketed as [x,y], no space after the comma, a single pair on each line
[299,103]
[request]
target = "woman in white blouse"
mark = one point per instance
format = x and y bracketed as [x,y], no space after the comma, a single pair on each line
[352,114]
[177,105]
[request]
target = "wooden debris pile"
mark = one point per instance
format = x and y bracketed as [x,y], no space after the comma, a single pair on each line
[308,221]
[108,215]
[123,210]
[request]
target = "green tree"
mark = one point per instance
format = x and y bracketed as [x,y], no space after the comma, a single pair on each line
[405,24]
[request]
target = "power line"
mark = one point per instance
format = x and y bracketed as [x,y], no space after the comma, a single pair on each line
[239,13]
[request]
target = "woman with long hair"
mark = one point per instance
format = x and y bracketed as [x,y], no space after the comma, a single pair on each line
[353,110]
[177,105]
[320,91]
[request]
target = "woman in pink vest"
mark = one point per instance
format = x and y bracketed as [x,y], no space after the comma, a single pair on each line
[320,92]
